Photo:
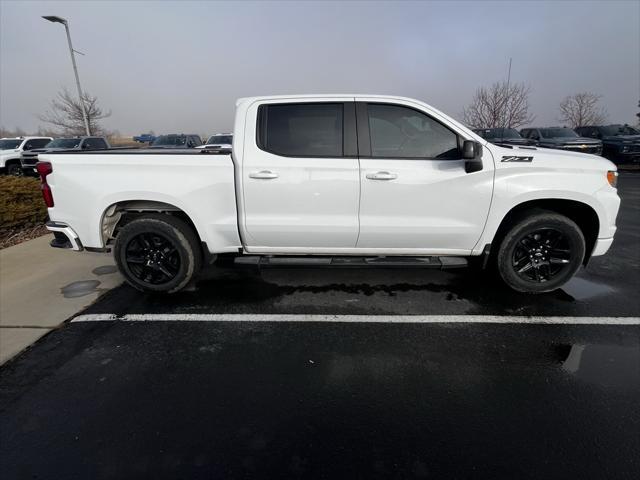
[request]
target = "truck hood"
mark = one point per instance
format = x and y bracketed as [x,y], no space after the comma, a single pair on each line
[571,141]
[622,139]
[550,158]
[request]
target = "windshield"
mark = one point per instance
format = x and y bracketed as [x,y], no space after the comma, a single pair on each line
[170,141]
[558,132]
[615,130]
[220,139]
[627,130]
[500,133]
[9,144]
[64,143]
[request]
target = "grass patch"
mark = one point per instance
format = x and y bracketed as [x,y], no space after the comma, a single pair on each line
[22,210]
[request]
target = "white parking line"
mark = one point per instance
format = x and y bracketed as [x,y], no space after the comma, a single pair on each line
[358,319]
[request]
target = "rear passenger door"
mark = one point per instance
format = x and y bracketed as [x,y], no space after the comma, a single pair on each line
[300,177]
[416,196]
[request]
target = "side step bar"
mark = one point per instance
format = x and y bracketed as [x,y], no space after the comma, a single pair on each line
[383,262]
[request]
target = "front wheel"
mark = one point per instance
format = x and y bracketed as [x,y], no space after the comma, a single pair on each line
[541,252]
[157,253]
[14,169]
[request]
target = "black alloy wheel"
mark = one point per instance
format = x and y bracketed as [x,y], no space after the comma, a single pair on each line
[540,251]
[152,258]
[541,255]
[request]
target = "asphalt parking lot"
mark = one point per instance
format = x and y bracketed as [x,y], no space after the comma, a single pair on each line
[332,399]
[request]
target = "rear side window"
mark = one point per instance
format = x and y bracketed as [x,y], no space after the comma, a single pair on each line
[402,132]
[95,143]
[36,143]
[302,129]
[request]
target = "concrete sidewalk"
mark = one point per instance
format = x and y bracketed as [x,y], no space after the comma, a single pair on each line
[41,287]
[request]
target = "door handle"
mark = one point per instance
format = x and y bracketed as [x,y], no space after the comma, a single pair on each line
[382,176]
[264,174]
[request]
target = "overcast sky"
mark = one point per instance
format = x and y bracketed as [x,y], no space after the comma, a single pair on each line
[179,66]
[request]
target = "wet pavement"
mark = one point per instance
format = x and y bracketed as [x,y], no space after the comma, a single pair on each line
[292,400]
[250,399]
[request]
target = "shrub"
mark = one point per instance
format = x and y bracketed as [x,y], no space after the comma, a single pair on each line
[21,203]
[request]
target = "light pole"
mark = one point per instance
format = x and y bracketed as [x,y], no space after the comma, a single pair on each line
[55,19]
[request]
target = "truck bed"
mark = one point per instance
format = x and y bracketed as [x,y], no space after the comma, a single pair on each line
[201,184]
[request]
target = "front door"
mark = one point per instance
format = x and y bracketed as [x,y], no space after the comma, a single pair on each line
[300,177]
[416,195]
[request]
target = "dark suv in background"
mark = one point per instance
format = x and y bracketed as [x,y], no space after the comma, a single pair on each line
[562,138]
[504,136]
[621,143]
[30,158]
[175,140]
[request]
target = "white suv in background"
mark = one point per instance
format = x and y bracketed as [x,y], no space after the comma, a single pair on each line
[11,151]
[221,141]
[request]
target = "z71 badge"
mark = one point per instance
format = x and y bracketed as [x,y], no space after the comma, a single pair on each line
[515,158]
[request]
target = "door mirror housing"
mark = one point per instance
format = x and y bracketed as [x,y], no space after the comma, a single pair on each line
[472,154]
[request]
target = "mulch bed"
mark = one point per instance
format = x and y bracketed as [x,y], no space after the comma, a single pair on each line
[13,236]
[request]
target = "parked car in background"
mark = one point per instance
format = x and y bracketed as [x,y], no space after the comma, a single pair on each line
[220,141]
[562,138]
[144,138]
[30,158]
[177,140]
[621,143]
[11,150]
[504,136]
[336,180]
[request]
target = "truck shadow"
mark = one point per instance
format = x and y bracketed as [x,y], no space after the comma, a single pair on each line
[223,289]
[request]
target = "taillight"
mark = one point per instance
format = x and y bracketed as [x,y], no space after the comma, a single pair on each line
[612,178]
[44,169]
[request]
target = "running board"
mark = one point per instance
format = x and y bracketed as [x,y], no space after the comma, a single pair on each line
[383,262]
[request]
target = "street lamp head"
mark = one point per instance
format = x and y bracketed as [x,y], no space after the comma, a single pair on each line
[55,19]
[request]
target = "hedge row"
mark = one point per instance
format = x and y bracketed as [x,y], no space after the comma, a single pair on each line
[21,203]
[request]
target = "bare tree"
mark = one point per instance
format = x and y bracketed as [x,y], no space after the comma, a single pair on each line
[499,106]
[17,132]
[65,114]
[582,109]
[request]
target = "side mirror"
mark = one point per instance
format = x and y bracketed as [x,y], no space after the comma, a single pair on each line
[472,154]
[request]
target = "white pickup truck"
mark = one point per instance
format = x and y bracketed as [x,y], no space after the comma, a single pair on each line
[336,180]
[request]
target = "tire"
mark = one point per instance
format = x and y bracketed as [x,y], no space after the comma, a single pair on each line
[540,252]
[158,253]
[14,169]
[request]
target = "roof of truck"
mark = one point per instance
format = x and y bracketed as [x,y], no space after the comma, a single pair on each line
[322,95]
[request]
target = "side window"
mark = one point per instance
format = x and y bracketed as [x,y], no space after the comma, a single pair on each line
[534,134]
[403,132]
[301,129]
[28,145]
[94,143]
[40,142]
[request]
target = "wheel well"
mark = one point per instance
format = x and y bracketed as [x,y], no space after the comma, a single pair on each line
[119,214]
[585,217]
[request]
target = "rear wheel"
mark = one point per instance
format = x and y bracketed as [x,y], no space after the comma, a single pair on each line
[158,253]
[541,252]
